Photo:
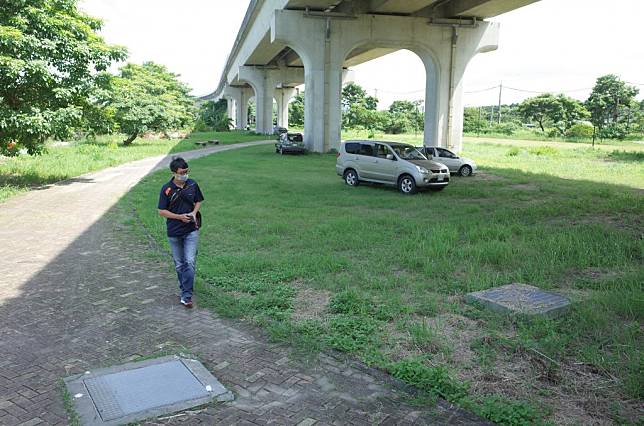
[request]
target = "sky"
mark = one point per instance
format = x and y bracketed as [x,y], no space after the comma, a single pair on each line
[549,46]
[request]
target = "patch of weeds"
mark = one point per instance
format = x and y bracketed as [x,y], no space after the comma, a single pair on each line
[506,412]
[512,152]
[228,305]
[425,337]
[485,350]
[543,150]
[305,336]
[435,380]
[68,403]
[279,297]
[426,305]
[349,302]
[351,334]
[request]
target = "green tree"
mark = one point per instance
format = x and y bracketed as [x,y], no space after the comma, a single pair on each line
[571,112]
[355,103]
[49,55]
[610,105]
[296,110]
[148,98]
[541,109]
[214,116]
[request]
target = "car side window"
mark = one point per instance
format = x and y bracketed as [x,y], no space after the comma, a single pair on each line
[366,149]
[444,153]
[352,148]
[382,151]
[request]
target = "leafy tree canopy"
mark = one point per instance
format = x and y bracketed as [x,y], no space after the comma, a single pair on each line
[611,104]
[49,55]
[147,98]
[296,110]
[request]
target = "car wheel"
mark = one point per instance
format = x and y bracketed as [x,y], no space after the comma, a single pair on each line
[437,188]
[407,185]
[465,171]
[351,178]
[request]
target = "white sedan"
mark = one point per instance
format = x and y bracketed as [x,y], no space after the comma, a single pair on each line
[456,164]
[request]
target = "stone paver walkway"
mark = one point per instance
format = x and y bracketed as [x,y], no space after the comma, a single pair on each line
[73,299]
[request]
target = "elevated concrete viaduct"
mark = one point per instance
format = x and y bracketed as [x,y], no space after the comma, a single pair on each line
[284,43]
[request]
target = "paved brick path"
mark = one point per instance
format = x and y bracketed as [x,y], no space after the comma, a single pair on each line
[73,299]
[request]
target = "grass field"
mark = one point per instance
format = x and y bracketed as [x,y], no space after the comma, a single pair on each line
[19,174]
[382,276]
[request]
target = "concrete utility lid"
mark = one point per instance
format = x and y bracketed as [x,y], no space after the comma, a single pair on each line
[522,299]
[140,390]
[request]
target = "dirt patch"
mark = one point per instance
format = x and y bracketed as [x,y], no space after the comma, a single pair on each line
[310,304]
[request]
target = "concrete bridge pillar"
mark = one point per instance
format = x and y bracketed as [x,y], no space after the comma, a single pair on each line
[238,108]
[320,51]
[283,96]
[445,47]
[230,108]
[264,86]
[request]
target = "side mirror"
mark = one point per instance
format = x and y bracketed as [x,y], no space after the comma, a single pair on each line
[390,156]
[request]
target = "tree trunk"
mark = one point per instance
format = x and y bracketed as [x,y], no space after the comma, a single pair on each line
[130,139]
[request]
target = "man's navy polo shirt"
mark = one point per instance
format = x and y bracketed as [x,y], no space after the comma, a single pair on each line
[190,194]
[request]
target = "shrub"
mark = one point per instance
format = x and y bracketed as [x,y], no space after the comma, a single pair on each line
[580,130]
[512,152]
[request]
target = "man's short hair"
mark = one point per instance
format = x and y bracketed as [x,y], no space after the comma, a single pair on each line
[178,163]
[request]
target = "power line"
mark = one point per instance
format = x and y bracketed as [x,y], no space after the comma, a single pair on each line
[484,90]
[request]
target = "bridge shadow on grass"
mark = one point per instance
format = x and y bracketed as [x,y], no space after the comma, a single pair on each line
[279,227]
[83,300]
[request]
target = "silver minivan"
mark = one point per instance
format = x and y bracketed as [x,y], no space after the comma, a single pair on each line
[390,163]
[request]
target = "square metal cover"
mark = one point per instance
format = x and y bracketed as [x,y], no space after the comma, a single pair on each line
[137,391]
[522,299]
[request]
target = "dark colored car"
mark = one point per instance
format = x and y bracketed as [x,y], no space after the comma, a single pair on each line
[290,143]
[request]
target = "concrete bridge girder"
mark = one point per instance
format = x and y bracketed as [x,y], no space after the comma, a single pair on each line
[445,50]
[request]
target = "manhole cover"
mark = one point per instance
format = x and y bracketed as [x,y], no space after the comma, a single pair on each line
[141,390]
[520,298]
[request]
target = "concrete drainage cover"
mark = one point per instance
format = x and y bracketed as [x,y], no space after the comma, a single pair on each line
[141,390]
[522,299]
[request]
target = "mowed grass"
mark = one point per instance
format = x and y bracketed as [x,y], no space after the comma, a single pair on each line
[19,174]
[382,276]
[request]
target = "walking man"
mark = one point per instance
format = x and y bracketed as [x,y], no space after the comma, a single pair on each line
[179,202]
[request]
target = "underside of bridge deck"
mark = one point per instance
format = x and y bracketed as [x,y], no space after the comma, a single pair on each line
[286,43]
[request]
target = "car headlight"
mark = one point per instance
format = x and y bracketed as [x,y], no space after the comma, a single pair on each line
[422,170]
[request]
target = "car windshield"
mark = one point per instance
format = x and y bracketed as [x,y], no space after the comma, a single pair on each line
[408,152]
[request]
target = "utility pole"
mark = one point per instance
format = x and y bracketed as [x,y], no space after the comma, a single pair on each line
[500,93]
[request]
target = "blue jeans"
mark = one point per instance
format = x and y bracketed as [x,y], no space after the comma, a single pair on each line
[184,253]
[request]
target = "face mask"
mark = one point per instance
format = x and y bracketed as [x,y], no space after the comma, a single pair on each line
[181,178]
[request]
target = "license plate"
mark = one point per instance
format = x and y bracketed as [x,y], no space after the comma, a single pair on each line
[441,178]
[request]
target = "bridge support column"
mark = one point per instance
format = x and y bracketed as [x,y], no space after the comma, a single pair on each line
[230,109]
[238,108]
[320,51]
[283,96]
[264,86]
